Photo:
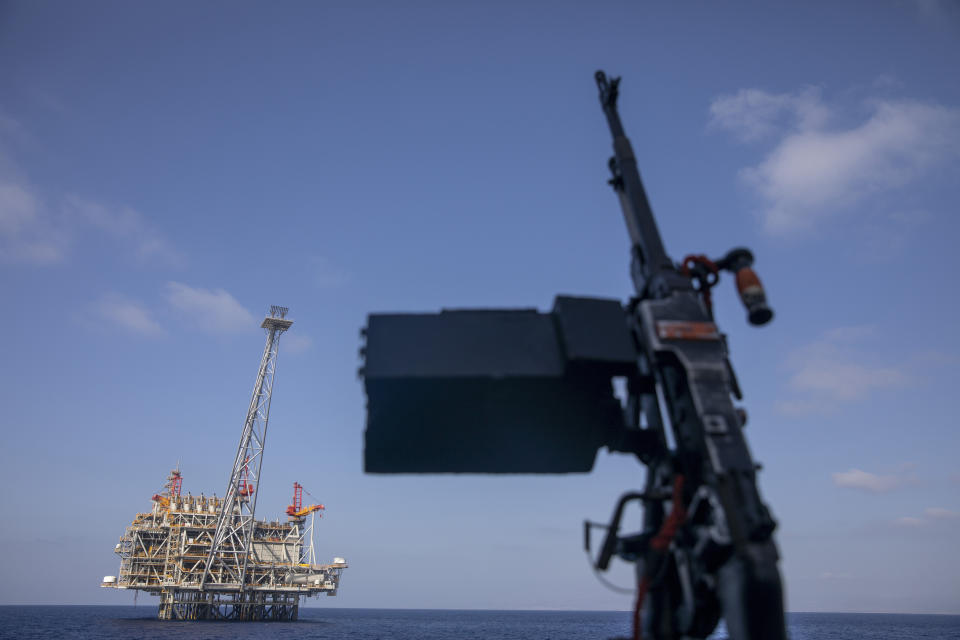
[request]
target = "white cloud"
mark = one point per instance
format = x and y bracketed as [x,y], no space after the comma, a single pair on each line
[837,369]
[857,479]
[909,521]
[939,513]
[211,309]
[829,375]
[26,233]
[931,516]
[814,172]
[128,314]
[37,228]
[34,232]
[18,208]
[753,114]
[25,236]
[127,226]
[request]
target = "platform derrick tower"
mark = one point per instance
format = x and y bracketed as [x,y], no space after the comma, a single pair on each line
[233,540]
[210,558]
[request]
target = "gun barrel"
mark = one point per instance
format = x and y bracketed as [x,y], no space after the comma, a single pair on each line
[633,198]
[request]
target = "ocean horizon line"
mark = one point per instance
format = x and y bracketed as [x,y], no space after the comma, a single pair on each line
[482,609]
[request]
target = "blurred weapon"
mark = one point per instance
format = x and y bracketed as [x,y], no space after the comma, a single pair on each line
[518,391]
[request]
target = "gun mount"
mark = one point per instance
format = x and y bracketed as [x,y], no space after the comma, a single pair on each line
[517,391]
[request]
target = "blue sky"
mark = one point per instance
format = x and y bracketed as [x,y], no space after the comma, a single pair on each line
[167,172]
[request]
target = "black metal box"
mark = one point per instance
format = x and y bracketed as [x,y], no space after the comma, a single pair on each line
[494,391]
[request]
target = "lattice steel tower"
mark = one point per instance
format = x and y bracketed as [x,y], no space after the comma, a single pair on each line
[233,541]
[208,558]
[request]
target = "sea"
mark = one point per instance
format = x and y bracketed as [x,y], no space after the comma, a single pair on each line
[88,622]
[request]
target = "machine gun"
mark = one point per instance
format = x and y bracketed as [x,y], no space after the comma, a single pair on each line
[518,391]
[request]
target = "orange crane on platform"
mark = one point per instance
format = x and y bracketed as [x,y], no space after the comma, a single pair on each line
[297,510]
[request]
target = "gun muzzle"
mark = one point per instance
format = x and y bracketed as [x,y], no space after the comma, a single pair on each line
[753,296]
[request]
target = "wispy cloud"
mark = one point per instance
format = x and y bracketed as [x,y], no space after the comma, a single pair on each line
[18,208]
[129,315]
[753,114]
[211,309]
[296,343]
[127,226]
[825,372]
[866,481]
[939,513]
[32,231]
[909,521]
[39,227]
[25,234]
[815,170]
[931,516]
[836,369]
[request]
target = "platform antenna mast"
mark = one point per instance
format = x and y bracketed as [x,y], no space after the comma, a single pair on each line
[232,541]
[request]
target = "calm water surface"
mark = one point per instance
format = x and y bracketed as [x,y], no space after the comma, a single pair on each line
[373,624]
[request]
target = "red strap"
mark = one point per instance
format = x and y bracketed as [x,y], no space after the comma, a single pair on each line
[677,515]
[638,607]
[692,259]
[660,544]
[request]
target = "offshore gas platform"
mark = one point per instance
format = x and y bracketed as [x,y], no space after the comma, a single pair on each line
[209,557]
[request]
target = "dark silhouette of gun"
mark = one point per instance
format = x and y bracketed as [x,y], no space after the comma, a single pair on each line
[519,391]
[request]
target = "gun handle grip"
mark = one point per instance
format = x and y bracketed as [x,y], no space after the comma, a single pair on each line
[609,546]
[753,296]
